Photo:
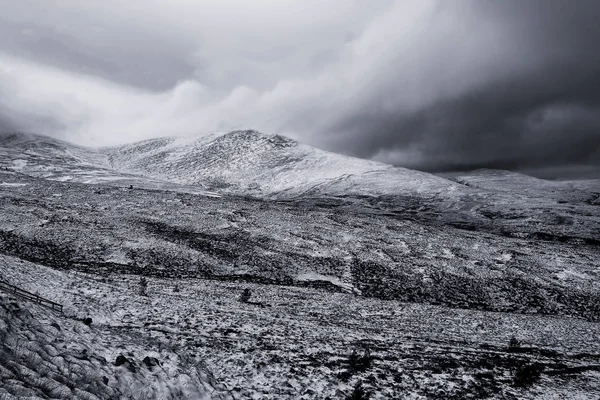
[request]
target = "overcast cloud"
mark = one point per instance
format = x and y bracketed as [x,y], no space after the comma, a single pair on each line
[433,85]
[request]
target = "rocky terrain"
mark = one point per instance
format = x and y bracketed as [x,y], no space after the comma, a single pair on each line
[396,283]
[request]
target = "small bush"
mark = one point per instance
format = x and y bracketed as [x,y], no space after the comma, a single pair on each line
[514,343]
[357,363]
[245,297]
[360,363]
[126,362]
[527,375]
[143,286]
[359,393]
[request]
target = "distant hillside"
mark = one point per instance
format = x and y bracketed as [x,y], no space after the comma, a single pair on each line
[516,183]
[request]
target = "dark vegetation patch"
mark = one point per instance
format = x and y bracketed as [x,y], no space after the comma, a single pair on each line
[511,293]
[36,250]
[224,246]
[359,393]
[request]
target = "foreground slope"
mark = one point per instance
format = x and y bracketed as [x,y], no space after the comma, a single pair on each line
[201,342]
[72,356]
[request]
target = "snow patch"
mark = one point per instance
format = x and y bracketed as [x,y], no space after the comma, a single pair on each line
[313,276]
[11,184]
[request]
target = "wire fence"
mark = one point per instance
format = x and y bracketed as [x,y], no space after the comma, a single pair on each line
[18,292]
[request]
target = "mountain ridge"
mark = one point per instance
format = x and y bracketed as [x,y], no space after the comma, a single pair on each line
[237,162]
[248,162]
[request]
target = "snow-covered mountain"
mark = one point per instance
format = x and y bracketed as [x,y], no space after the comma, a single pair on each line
[45,156]
[249,162]
[238,162]
[272,166]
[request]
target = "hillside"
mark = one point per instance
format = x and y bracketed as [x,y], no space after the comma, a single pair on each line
[252,163]
[372,250]
[48,158]
[435,306]
[524,185]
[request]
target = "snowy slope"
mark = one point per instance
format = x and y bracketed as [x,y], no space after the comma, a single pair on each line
[249,162]
[513,182]
[51,355]
[45,157]
[39,155]
[48,158]
[210,345]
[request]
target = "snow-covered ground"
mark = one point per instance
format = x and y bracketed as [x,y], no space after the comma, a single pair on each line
[397,251]
[528,186]
[62,356]
[298,346]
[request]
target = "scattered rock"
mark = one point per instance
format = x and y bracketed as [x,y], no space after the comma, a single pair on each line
[126,362]
[151,362]
[229,331]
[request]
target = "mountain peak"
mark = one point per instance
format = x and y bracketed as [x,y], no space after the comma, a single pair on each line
[252,135]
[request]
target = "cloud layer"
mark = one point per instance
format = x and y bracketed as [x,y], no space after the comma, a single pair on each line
[427,84]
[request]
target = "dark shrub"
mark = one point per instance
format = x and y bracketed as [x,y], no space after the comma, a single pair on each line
[360,363]
[151,362]
[359,393]
[143,286]
[513,343]
[527,375]
[357,363]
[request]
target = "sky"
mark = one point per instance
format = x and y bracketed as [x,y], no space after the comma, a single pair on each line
[433,85]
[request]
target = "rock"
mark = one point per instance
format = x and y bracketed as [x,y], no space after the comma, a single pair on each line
[151,362]
[124,361]
[14,307]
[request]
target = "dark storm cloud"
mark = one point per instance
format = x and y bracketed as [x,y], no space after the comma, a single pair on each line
[546,112]
[522,122]
[427,84]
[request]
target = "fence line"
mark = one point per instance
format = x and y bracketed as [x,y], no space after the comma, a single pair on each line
[18,292]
